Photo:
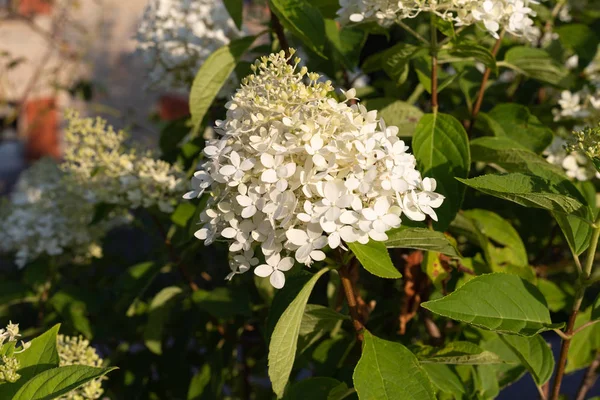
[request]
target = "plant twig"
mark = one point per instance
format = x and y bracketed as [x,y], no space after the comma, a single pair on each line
[589,379]
[278,29]
[484,81]
[582,283]
[412,32]
[434,65]
[173,255]
[346,280]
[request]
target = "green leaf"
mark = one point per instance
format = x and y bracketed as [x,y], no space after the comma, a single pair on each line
[536,64]
[317,388]
[73,310]
[159,314]
[375,258]
[399,55]
[397,113]
[585,344]
[512,370]
[389,371]
[223,302]
[199,384]
[498,302]
[347,42]
[133,282]
[535,354]
[41,356]
[529,191]
[183,213]
[554,295]
[56,382]
[445,379]
[421,239]
[476,52]
[441,147]
[235,8]
[487,382]
[596,309]
[457,353]
[213,74]
[303,20]
[316,322]
[284,341]
[580,38]
[515,119]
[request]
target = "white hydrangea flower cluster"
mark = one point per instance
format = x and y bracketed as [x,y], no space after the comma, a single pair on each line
[45,216]
[97,161]
[9,364]
[175,37]
[581,105]
[295,171]
[576,165]
[512,15]
[78,351]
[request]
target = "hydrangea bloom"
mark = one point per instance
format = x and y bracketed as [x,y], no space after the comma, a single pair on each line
[45,216]
[294,171]
[176,36]
[576,165]
[512,15]
[9,364]
[77,351]
[97,161]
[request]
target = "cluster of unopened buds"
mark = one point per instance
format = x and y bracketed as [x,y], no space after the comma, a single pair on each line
[75,350]
[512,15]
[9,364]
[294,171]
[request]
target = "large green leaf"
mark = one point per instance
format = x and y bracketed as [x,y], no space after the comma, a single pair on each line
[476,52]
[555,297]
[530,191]
[316,322]
[585,344]
[235,8]
[580,38]
[375,258]
[441,147]
[536,64]
[389,371]
[346,41]
[398,113]
[517,123]
[159,314]
[421,239]
[535,354]
[317,388]
[445,379]
[304,21]
[457,353]
[213,74]
[41,356]
[499,302]
[284,341]
[56,382]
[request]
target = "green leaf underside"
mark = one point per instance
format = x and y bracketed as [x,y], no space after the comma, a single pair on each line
[458,353]
[584,344]
[56,382]
[445,379]
[535,354]
[529,191]
[498,302]
[536,64]
[375,258]
[441,147]
[159,314]
[284,341]
[421,239]
[389,371]
[213,74]
[303,20]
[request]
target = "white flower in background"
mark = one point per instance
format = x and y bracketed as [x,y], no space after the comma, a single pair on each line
[512,15]
[78,351]
[47,216]
[175,37]
[98,162]
[294,171]
[576,165]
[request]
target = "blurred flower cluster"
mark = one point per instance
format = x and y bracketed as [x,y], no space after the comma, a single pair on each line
[582,106]
[294,171]
[176,36]
[512,15]
[74,350]
[97,162]
[53,206]
[576,165]
[9,364]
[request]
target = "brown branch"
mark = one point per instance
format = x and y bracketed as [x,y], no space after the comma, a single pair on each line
[589,379]
[564,351]
[278,29]
[484,81]
[173,255]
[345,277]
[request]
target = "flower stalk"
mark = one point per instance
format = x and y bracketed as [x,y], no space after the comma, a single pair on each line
[434,65]
[348,288]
